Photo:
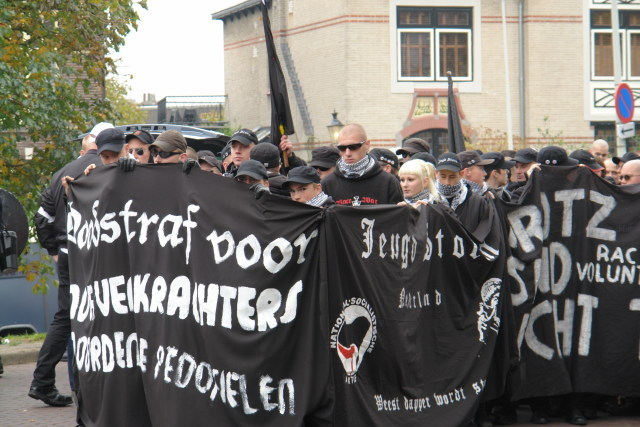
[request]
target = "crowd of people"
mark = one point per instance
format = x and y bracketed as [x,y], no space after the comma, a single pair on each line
[349,174]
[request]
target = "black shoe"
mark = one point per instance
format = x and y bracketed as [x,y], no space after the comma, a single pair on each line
[576,417]
[539,417]
[1,367]
[51,397]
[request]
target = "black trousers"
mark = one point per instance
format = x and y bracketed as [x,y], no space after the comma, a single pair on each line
[59,332]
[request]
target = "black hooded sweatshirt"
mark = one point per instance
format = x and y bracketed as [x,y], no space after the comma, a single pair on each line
[373,188]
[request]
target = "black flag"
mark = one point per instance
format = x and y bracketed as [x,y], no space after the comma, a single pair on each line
[281,122]
[454,130]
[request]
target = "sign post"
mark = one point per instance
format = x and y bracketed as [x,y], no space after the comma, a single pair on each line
[625,107]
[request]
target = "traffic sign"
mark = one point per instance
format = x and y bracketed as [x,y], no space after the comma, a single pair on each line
[624,102]
[626,130]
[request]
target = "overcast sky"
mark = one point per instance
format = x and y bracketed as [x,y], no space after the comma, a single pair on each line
[177,50]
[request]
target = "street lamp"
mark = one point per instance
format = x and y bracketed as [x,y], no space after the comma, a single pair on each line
[334,127]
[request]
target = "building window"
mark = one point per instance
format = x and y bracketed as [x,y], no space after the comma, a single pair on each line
[602,44]
[434,40]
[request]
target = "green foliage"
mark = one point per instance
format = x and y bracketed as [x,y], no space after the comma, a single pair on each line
[52,52]
[546,136]
[122,111]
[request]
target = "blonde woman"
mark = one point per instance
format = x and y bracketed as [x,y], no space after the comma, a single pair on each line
[417,180]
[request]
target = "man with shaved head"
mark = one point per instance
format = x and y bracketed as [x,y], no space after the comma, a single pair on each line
[630,172]
[358,178]
[599,149]
[611,170]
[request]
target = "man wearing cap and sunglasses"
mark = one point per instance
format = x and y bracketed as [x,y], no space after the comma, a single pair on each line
[169,147]
[358,179]
[139,142]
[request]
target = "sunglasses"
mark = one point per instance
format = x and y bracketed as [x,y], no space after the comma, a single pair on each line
[163,154]
[138,151]
[352,147]
[626,177]
[321,169]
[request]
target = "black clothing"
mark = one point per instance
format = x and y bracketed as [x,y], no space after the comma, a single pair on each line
[276,181]
[55,343]
[476,214]
[51,219]
[516,190]
[374,187]
[51,227]
[328,202]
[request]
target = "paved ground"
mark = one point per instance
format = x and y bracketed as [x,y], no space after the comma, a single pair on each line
[19,410]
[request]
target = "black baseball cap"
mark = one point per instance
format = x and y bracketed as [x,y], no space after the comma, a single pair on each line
[385,156]
[244,136]
[472,158]
[555,156]
[586,158]
[225,152]
[253,169]
[324,157]
[449,161]
[110,139]
[425,157]
[499,162]
[526,155]
[142,135]
[267,154]
[626,157]
[412,146]
[302,175]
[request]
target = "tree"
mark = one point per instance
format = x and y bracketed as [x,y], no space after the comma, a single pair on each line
[52,53]
[123,110]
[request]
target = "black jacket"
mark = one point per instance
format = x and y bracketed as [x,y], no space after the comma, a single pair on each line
[373,188]
[476,214]
[51,219]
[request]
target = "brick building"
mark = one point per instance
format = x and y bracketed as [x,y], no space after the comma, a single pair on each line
[383,63]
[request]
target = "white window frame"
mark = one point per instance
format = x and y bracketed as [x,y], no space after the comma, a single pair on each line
[623,43]
[469,53]
[432,60]
[410,85]
[627,56]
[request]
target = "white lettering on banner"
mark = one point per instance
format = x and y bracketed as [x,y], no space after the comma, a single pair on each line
[418,299]
[404,247]
[182,297]
[105,353]
[565,326]
[102,353]
[182,370]
[419,404]
[174,231]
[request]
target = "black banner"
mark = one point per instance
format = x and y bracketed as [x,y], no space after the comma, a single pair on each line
[416,306]
[193,303]
[575,284]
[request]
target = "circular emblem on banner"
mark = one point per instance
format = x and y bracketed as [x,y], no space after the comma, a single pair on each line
[354,335]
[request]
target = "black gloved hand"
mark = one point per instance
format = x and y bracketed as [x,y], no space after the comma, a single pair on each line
[188,165]
[126,164]
[259,189]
